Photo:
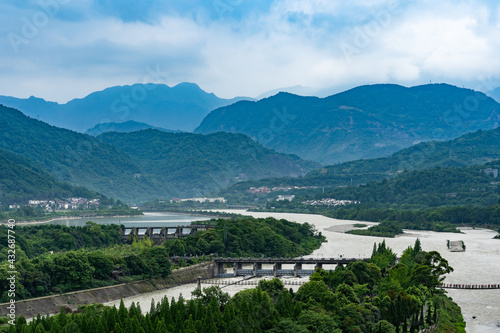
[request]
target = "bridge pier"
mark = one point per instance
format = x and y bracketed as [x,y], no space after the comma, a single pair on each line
[276,267]
[236,267]
[296,268]
[256,266]
[219,268]
[318,265]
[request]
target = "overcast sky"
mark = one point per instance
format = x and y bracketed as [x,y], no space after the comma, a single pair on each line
[60,49]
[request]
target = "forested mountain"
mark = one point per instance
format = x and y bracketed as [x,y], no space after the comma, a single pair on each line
[125,127]
[429,188]
[69,156]
[21,180]
[147,164]
[364,122]
[181,107]
[186,164]
[470,149]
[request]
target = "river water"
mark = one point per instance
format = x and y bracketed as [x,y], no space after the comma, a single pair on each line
[147,220]
[479,264]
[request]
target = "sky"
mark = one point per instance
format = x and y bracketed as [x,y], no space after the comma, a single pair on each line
[65,49]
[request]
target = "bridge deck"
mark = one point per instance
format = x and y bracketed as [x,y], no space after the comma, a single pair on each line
[305,261]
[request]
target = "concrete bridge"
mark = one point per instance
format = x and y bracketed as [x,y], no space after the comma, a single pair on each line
[296,267]
[161,234]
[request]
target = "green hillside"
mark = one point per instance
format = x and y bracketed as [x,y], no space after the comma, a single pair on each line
[21,180]
[428,188]
[470,149]
[193,165]
[361,123]
[144,165]
[72,157]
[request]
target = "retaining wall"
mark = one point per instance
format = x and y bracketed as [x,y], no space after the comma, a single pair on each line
[52,304]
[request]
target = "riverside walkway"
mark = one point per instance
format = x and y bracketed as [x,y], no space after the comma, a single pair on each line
[469,286]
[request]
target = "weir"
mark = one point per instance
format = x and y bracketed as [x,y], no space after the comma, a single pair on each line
[161,234]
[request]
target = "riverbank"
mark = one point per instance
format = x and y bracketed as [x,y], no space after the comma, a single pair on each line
[52,304]
[61,218]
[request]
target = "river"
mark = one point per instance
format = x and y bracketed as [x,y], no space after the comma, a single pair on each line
[479,264]
[159,219]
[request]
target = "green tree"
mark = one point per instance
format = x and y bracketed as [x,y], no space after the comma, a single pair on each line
[318,322]
[103,265]
[71,269]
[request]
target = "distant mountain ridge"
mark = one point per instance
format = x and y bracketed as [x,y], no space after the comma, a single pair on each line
[361,123]
[125,127]
[181,107]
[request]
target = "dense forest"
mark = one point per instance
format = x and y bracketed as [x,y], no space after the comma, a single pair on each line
[68,156]
[140,166]
[22,180]
[374,296]
[55,258]
[471,149]
[187,164]
[427,188]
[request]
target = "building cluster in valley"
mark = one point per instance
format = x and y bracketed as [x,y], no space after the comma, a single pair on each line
[329,202]
[64,204]
[266,190]
[200,200]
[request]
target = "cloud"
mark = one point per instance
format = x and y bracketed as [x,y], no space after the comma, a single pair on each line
[241,47]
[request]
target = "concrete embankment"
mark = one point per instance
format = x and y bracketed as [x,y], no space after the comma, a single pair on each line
[52,304]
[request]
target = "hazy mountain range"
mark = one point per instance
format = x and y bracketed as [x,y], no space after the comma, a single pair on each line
[384,122]
[181,107]
[364,122]
[360,123]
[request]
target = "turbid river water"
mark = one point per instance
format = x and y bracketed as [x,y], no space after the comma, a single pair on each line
[146,220]
[480,264]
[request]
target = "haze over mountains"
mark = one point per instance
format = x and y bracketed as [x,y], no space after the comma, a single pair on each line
[181,107]
[364,122]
